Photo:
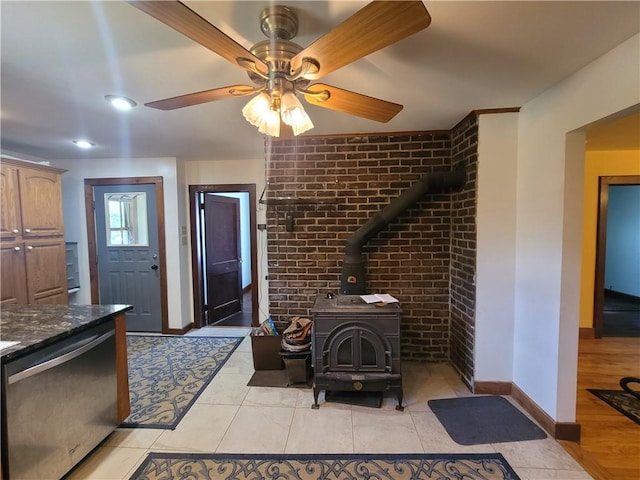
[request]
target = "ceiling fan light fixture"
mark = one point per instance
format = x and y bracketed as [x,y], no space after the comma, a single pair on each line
[270,124]
[291,109]
[303,126]
[257,109]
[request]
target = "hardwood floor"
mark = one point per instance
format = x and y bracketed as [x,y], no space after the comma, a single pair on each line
[610,442]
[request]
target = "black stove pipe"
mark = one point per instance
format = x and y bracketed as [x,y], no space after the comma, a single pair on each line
[352,281]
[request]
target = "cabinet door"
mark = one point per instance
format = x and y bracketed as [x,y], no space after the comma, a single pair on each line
[46,271]
[41,202]
[10,226]
[13,280]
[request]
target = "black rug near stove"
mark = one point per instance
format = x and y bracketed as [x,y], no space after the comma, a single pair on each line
[274,378]
[626,403]
[485,419]
[362,399]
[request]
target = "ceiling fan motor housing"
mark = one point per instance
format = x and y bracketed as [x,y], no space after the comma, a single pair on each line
[279,22]
[280,25]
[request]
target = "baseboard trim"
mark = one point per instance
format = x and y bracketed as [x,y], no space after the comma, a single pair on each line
[558,430]
[179,331]
[587,333]
[492,388]
[624,296]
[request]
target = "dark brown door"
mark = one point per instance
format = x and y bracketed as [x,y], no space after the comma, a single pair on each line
[223,258]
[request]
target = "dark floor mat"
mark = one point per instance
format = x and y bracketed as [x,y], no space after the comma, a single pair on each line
[273,378]
[624,402]
[362,399]
[486,419]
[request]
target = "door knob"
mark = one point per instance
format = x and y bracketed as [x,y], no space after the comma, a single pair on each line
[154,267]
[27,230]
[17,249]
[15,230]
[29,247]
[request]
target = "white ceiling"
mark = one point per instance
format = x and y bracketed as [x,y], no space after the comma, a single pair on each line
[59,60]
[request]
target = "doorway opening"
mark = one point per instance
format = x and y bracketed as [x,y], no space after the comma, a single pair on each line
[224,255]
[126,243]
[617,291]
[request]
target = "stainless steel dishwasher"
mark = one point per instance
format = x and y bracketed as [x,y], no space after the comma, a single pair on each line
[60,403]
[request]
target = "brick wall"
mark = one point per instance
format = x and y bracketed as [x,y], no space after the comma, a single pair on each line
[410,258]
[464,148]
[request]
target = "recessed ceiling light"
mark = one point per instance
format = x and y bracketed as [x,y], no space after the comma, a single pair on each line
[119,102]
[84,144]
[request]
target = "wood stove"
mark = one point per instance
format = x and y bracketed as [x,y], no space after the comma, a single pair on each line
[355,346]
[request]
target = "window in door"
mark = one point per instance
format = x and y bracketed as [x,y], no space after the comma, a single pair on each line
[126,219]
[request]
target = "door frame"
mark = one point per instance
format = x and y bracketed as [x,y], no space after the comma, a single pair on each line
[89,183]
[601,245]
[196,264]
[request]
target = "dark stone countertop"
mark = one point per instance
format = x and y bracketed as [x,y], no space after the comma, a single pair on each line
[35,326]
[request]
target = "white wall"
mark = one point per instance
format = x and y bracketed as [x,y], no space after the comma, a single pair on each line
[547,243]
[76,227]
[221,172]
[496,243]
[182,236]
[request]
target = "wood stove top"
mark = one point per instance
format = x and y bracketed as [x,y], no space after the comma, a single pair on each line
[351,304]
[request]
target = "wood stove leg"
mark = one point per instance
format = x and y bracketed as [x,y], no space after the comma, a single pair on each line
[399,407]
[316,392]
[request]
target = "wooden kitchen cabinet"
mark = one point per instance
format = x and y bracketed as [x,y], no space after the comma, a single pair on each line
[10,221]
[13,281]
[32,248]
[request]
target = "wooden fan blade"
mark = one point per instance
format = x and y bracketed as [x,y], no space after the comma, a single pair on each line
[201,97]
[181,18]
[353,103]
[375,26]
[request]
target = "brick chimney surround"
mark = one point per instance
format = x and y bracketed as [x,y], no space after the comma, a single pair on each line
[320,189]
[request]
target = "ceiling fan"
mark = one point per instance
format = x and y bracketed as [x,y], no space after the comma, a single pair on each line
[280,68]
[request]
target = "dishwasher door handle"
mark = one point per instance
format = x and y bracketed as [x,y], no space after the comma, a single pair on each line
[54,362]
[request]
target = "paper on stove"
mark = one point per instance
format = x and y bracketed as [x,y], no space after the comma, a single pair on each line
[379,298]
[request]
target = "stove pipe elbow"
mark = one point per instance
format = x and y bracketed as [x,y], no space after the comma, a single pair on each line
[352,280]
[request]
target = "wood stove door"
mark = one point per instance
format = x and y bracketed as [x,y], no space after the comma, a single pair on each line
[355,347]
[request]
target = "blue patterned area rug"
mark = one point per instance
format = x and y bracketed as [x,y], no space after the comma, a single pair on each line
[168,373]
[420,466]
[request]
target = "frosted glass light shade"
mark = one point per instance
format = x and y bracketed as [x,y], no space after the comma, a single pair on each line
[270,124]
[293,113]
[304,125]
[291,109]
[257,109]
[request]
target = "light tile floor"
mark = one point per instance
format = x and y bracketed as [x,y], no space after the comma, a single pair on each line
[231,417]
